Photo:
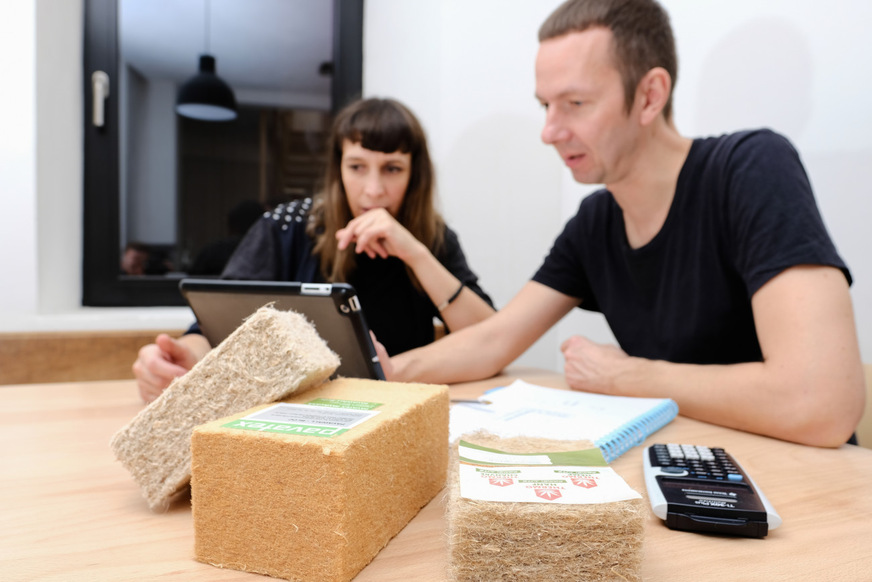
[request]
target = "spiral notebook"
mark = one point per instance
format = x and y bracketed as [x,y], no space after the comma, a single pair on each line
[614,423]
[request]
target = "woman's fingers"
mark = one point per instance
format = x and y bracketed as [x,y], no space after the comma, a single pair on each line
[375,233]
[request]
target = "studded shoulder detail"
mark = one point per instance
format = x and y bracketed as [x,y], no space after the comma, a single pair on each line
[290,212]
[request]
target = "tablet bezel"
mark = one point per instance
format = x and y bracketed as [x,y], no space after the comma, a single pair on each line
[221,305]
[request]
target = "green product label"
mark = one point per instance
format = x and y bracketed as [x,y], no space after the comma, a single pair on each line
[301,429]
[339,403]
[304,419]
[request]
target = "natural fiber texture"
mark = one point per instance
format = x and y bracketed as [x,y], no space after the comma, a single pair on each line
[490,541]
[271,355]
[309,508]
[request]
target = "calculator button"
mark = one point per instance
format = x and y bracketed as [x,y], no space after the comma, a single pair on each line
[697,462]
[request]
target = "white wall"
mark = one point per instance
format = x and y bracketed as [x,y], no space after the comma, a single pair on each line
[18,156]
[41,177]
[498,185]
[467,69]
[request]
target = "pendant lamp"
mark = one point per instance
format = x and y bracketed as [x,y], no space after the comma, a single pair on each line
[205,96]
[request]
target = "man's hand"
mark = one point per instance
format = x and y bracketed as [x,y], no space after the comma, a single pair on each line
[592,367]
[159,363]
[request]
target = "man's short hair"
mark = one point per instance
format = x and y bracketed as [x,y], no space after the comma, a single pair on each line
[641,31]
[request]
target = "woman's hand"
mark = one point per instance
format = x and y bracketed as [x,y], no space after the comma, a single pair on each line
[377,233]
[158,364]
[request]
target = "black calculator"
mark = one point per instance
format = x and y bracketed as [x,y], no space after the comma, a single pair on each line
[704,489]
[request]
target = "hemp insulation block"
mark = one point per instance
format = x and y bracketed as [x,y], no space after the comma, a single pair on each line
[307,508]
[271,355]
[490,541]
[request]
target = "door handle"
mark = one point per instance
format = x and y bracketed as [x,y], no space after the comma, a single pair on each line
[100,86]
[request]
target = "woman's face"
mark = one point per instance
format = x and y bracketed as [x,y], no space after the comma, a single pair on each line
[374,179]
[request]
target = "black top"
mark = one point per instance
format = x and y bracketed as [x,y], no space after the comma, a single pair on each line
[743,212]
[277,248]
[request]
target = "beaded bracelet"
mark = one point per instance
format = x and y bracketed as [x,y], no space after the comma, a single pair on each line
[448,301]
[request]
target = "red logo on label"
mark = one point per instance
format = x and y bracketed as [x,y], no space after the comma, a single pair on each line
[500,481]
[586,482]
[549,494]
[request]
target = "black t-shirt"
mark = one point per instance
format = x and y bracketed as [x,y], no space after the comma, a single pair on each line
[277,248]
[743,212]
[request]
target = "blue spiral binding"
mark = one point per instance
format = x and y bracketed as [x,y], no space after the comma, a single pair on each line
[634,433]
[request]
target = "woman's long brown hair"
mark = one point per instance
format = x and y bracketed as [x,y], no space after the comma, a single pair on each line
[381,125]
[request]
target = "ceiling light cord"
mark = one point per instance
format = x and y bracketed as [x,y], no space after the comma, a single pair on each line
[206,24]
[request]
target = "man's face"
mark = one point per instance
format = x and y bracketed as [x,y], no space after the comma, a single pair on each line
[586,120]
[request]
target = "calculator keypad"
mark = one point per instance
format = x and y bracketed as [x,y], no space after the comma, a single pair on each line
[698,462]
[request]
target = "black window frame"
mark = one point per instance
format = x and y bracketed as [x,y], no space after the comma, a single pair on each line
[102,283]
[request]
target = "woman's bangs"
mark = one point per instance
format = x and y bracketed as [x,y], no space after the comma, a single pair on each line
[383,131]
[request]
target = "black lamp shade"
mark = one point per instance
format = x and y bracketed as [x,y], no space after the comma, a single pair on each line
[205,96]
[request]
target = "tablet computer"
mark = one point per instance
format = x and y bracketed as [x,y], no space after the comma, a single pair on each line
[333,308]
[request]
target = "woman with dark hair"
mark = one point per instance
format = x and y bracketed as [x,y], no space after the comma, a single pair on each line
[374,225]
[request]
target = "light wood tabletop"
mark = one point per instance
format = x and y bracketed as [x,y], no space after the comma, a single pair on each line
[70,512]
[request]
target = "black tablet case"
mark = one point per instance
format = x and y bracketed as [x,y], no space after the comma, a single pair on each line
[334,309]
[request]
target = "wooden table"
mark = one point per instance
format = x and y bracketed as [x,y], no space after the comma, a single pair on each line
[70,512]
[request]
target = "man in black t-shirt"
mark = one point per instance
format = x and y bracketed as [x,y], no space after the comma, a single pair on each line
[708,257]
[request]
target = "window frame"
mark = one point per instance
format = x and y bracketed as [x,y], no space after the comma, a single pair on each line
[102,283]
